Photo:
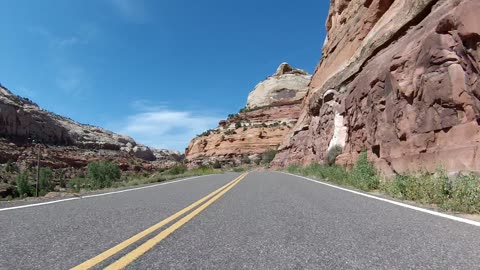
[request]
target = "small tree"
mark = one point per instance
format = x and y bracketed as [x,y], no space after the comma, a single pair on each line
[238,124]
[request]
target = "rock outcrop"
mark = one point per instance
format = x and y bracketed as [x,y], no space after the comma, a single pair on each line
[287,85]
[65,145]
[399,78]
[272,110]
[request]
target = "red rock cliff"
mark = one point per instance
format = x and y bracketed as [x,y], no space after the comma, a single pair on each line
[272,110]
[399,78]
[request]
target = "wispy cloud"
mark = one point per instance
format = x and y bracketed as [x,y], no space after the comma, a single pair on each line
[161,127]
[131,10]
[70,77]
[82,36]
[73,80]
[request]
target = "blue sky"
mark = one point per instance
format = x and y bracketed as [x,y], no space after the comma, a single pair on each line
[159,71]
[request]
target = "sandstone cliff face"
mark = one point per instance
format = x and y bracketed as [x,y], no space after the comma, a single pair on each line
[272,110]
[66,144]
[399,78]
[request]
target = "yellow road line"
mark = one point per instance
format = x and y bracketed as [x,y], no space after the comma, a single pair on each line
[114,250]
[142,249]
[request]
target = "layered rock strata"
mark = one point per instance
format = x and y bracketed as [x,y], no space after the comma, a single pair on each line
[272,110]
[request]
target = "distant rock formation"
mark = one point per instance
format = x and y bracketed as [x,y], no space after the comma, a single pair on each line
[66,145]
[287,85]
[399,78]
[272,109]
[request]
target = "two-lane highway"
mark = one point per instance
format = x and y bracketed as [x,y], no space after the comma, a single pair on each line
[263,220]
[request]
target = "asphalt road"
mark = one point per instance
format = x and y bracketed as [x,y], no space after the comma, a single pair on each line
[265,221]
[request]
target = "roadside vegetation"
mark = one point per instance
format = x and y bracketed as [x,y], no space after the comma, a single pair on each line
[97,176]
[104,175]
[458,193]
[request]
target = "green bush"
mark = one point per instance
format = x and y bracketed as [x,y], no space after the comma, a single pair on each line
[238,169]
[333,153]
[238,124]
[103,174]
[177,169]
[23,186]
[10,167]
[460,193]
[78,184]
[46,181]
[295,169]
[268,156]
[202,170]
[364,175]
[465,194]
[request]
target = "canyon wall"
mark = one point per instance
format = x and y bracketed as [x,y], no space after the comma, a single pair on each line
[65,145]
[399,79]
[272,109]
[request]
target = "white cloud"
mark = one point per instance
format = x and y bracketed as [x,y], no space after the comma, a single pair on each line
[164,128]
[132,10]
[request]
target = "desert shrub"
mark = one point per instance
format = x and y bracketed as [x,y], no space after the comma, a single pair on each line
[238,124]
[206,133]
[333,153]
[78,184]
[177,169]
[465,194]
[238,169]
[202,170]
[10,167]
[295,169]
[23,186]
[217,164]
[103,174]
[230,132]
[364,175]
[46,181]
[334,174]
[268,156]
[246,160]
[460,193]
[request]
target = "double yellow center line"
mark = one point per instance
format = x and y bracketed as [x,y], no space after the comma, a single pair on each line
[121,263]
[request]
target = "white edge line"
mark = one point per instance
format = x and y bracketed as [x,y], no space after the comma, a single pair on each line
[98,195]
[435,213]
